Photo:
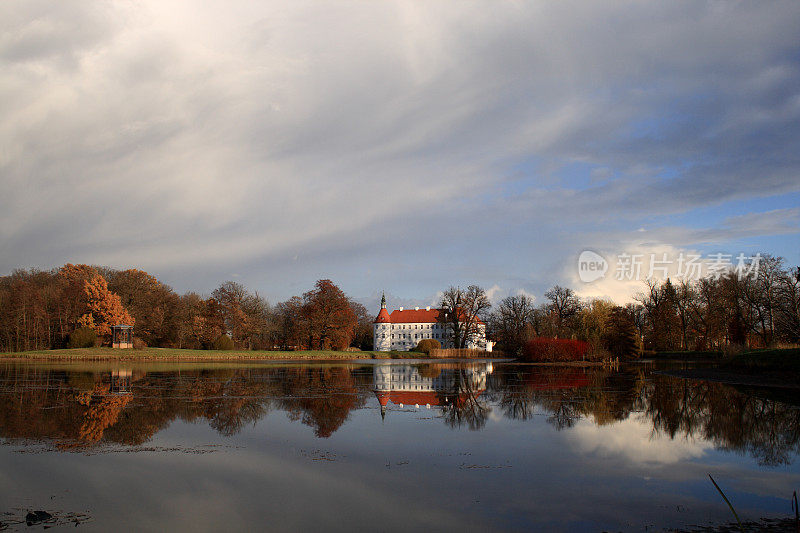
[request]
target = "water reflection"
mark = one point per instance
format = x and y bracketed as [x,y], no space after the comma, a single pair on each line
[451,387]
[127,406]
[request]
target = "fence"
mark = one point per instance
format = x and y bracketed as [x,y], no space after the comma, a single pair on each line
[464,353]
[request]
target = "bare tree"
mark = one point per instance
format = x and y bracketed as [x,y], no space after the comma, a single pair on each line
[511,323]
[564,306]
[461,313]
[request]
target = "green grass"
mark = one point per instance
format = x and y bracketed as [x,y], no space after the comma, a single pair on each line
[778,359]
[171,354]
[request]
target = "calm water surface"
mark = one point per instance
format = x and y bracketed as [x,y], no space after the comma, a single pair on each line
[387,447]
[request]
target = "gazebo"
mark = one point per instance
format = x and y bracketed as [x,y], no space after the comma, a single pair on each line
[122,336]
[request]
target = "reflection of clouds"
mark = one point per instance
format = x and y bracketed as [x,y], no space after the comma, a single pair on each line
[266,486]
[634,440]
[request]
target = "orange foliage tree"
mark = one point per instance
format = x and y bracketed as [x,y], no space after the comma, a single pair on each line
[103,308]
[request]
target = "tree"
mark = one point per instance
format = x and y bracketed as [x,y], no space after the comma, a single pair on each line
[329,315]
[788,314]
[290,327]
[461,312]
[208,324]
[564,306]
[363,334]
[511,323]
[592,321]
[231,298]
[619,337]
[104,308]
[153,305]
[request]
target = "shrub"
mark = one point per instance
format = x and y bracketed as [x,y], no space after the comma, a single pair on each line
[426,345]
[82,338]
[554,350]
[139,344]
[223,342]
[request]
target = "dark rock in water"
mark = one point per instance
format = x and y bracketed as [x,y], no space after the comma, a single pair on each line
[37,516]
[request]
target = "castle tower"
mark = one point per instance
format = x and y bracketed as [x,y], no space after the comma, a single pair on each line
[382,329]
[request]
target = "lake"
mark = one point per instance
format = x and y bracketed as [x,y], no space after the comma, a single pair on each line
[387,446]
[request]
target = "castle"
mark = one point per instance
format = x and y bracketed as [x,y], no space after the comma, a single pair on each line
[402,329]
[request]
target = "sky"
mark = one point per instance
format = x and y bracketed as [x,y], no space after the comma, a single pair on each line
[396,146]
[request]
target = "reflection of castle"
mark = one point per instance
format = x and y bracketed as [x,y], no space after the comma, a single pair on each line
[428,384]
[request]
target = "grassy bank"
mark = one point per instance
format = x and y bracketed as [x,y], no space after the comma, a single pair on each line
[170,354]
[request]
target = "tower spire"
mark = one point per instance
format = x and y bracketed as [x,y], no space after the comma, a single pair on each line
[383,300]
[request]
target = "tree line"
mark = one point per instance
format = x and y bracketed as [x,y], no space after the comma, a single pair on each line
[713,313]
[43,309]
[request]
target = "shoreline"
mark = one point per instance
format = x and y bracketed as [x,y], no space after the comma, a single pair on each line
[178,355]
[214,356]
[733,377]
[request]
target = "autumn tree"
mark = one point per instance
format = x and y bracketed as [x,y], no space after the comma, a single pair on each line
[290,324]
[208,323]
[329,315]
[153,305]
[104,308]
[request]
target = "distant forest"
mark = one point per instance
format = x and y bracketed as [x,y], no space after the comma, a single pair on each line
[43,309]
[46,309]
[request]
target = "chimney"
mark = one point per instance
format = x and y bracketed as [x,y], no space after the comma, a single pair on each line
[428,308]
[401,309]
[416,308]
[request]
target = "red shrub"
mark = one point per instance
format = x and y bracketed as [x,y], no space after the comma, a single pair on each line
[554,350]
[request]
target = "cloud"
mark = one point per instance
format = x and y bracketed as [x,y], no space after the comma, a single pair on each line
[427,144]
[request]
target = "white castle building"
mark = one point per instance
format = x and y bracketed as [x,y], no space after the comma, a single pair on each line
[402,329]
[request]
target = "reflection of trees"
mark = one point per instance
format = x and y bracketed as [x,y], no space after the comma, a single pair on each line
[80,409]
[461,404]
[75,409]
[321,397]
[561,392]
[744,421]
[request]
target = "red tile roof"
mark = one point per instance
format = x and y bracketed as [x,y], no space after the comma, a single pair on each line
[383,316]
[413,316]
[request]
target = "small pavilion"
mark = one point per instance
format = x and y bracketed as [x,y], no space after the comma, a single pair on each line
[122,336]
